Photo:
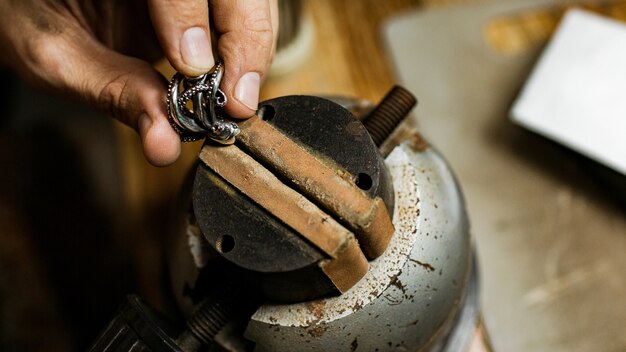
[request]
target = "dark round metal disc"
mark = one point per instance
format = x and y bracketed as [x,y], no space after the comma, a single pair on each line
[251,238]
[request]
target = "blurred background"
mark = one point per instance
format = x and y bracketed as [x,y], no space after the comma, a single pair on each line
[83,215]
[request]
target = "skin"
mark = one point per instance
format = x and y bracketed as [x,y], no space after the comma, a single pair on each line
[99,52]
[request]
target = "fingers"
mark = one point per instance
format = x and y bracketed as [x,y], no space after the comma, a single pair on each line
[247,37]
[182,28]
[247,33]
[68,58]
[127,88]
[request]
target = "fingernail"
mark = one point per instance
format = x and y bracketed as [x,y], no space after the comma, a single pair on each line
[195,49]
[247,90]
[143,125]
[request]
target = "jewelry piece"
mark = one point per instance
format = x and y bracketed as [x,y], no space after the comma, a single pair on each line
[206,98]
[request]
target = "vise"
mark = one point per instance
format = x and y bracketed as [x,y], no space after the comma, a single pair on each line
[302,235]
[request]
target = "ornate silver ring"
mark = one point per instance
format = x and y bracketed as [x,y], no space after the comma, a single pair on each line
[194,107]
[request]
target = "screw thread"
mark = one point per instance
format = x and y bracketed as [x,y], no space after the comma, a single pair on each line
[385,117]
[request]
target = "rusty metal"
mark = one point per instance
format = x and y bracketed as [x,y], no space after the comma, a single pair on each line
[209,319]
[332,132]
[324,182]
[388,114]
[345,263]
[258,239]
[225,296]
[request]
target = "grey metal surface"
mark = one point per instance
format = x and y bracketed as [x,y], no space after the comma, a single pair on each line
[410,296]
[550,240]
[465,325]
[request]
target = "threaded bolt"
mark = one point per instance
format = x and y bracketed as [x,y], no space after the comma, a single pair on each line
[206,322]
[385,117]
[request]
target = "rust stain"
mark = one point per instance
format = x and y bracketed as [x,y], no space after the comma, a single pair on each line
[317,331]
[316,309]
[418,143]
[425,265]
[392,300]
[398,284]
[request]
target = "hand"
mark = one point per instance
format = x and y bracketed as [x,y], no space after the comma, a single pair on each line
[98,51]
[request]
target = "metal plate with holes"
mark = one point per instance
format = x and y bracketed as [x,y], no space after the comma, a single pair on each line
[248,236]
[309,121]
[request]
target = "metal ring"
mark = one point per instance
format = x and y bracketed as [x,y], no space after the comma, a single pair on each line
[202,119]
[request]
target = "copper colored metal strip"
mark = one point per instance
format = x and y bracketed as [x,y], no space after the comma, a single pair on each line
[348,268]
[322,181]
[296,211]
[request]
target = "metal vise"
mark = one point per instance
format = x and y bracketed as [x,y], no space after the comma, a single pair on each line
[301,234]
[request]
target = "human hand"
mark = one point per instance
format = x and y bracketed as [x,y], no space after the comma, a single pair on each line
[98,51]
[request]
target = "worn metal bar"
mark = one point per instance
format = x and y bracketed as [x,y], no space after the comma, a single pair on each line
[323,181]
[347,264]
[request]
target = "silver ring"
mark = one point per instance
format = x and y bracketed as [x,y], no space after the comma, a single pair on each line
[203,118]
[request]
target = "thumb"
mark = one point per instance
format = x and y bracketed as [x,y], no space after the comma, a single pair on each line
[246,42]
